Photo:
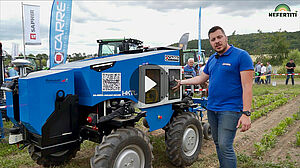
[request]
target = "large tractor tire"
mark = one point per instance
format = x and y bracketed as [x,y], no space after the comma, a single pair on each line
[207,131]
[123,148]
[184,139]
[54,159]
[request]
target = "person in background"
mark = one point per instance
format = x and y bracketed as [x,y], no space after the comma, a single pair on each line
[257,72]
[263,73]
[269,72]
[290,66]
[13,71]
[205,84]
[199,68]
[189,70]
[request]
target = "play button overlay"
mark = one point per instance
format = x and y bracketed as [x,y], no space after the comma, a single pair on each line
[153,84]
[149,84]
[146,81]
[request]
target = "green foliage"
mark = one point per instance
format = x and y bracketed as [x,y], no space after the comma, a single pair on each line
[267,98]
[297,116]
[275,100]
[246,161]
[77,56]
[276,44]
[298,138]
[269,139]
[279,47]
[294,54]
[263,100]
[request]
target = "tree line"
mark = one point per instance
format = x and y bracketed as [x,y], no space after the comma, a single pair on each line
[274,47]
[41,59]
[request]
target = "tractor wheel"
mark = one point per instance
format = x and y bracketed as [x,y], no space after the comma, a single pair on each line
[184,139]
[207,131]
[126,147]
[54,159]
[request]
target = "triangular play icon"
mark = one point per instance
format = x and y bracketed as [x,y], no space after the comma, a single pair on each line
[149,84]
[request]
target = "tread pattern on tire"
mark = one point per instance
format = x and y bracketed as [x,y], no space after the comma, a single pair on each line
[206,133]
[173,139]
[105,152]
[50,160]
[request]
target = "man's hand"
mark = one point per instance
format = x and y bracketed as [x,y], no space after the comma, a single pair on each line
[245,121]
[177,86]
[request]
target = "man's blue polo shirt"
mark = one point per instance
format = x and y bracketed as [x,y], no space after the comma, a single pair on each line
[225,87]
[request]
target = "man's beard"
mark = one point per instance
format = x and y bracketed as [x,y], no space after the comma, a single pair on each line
[222,51]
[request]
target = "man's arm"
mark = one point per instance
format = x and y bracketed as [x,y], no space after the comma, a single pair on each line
[192,81]
[246,78]
[196,80]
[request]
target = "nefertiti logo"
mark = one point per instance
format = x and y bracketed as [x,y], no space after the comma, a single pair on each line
[282,7]
[283,10]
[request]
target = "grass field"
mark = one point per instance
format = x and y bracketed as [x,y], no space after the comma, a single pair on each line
[11,157]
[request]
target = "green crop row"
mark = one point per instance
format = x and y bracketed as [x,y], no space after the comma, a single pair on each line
[268,141]
[257,114]
[263,100]
[298,139]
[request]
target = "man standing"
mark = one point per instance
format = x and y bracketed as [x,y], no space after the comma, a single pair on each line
[257,72]
[263,74]
[290,66]
[269,72]
[230,73]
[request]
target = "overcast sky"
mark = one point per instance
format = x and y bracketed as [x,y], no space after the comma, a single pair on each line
[157,23]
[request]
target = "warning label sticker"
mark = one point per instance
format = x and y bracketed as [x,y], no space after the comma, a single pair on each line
[111,82]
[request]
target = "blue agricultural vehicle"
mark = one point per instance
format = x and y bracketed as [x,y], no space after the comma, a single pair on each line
[101,100]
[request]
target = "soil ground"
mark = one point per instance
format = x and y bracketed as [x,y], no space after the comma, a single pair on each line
[244,140]
[286,147]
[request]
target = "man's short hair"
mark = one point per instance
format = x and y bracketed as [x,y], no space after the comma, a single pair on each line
[215,28]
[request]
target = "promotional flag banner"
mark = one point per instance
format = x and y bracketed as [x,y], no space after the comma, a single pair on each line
[184,41]
[59,31]
[200,58]
[31,24]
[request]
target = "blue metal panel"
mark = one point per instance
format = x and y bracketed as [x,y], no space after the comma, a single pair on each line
[37,96]
[38,90]
[88,83]
[9,105]
[153,113]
